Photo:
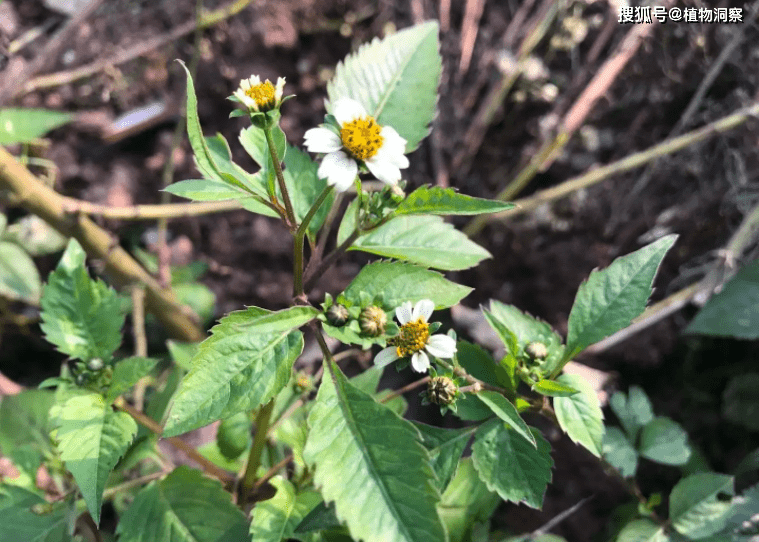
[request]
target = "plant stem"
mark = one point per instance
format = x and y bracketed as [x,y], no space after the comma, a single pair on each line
[280,178]
[299,238]
[263,418]
[327,262]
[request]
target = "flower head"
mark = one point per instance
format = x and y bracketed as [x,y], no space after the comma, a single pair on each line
[414,338]
[360,139]
[258,96]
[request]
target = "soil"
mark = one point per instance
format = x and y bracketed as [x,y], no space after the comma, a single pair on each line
[539,260]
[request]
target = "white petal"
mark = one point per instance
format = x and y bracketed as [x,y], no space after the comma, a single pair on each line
[396,158]
[339,169]
[420,362]
[423,308]
[322,140]
[386,356]
[403,313]
[392,138]
[441,346]
[280,88]
[383,170]
[346,110]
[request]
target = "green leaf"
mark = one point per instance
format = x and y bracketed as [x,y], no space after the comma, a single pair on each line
[610,299]
[21,125]
[424,240]
[276,519]
[91,438]
[580,415]
[393,283]
[633,410]
[509,465]
[35,236]
[220,153]
[235,370]
[23,419]
[233,436]
[19,279]
[642,530]
[445,447]
[517,329]
[183,507]
[481,365]
[699,505]
[18,522]
[664,441]
[395,79]
[182,353]
[369,462]
[552,388]
[126,373]
[320,518]
[740,400]
[263,322]
[436,200]
[466,501]
[619,452]
[254,142]
[207,190]
[304,187]
[199,297]
[507,412]
[80,316]
[734,311]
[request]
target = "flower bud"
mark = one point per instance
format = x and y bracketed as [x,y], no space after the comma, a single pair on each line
[397,194]
[536,350]
[95,364]
[337,315]
[372,321]
[441,390]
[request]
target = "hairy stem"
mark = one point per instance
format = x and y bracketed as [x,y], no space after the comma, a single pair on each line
[300,235]
[280,178]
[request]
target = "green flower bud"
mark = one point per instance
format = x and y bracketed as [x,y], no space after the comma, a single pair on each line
[95,364]
[372,321]
[441,390]
[337,315]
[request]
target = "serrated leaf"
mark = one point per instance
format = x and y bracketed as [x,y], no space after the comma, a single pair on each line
[234,370]
[699,505]
[619,452]
[19,278]
[397,282]
[740,400]
[425,240]
[395,79]
[734,311]
[664,441]
[36,236]
[507,412]
[277,518]
[126,373]
[466,501]
[80,316]
[518,329]
[369,462]
[633,410]
[551,388]
[264,322]
[611,298]
[233,436]
[480,364]
[23,419]
[642,530]
[91,437]
[19,523]
[209,190]
[445,447]
[21,125]
[435,200]
[320,518]
[509,465]
[580,415]
[183,507]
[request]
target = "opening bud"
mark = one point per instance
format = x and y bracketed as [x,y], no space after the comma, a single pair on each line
[536,350]
[372,321]
[442,390]
[337,315]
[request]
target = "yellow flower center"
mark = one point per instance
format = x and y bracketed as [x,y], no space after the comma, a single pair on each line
[263,94]
[362,137]
[412,337]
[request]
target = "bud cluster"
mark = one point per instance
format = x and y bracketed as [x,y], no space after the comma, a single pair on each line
[94,373]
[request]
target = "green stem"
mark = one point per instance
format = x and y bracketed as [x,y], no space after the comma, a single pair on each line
[299,238]
[263,418]
[280,177]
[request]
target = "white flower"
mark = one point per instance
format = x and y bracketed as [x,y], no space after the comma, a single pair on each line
[414,338]
[361,139]
[258,96]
